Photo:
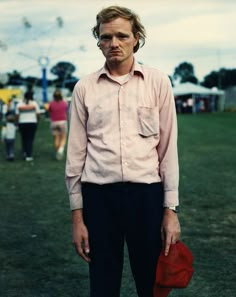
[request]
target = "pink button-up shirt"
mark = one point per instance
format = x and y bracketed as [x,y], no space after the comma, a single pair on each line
[123,132]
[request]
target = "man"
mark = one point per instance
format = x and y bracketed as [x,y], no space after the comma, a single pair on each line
[122,162]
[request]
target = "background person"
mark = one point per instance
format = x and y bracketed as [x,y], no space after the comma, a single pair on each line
[58,115]
[12,105]
[9,135]
[122,161]
[27,116]
[4,109]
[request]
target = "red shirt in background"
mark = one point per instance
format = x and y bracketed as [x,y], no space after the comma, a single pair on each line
[58,110]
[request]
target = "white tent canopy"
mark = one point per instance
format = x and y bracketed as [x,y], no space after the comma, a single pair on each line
[193,89]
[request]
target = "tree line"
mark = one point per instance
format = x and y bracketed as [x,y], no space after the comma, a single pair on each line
[184,72]
[222,79]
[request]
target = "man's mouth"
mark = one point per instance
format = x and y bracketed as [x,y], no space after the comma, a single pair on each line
[114,52]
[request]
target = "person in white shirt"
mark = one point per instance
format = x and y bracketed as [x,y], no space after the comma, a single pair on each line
[27,115]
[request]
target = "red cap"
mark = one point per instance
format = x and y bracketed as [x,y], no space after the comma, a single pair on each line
[174,270]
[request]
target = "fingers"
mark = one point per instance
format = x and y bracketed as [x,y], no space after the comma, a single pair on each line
[82,248]
[169,237]
[167,244]
[80,237]
[85,256]
[170,230]
[86,246]
[86,251]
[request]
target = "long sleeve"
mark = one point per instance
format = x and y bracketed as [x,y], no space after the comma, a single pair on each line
[167,148]
[76,149]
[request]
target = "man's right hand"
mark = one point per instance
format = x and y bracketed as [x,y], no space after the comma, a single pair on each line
[80,238]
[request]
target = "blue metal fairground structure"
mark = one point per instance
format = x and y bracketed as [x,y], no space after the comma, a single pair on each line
[43,62]
[44,84]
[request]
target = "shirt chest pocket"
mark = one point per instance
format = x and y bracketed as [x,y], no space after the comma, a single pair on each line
[148,121]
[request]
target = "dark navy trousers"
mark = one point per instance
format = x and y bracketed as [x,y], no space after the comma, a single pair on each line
[27,131]
[118,213]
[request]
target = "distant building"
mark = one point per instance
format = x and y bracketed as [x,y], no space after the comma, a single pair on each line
[230,98]
[192,98]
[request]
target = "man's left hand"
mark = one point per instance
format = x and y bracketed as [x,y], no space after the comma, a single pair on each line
[170,229]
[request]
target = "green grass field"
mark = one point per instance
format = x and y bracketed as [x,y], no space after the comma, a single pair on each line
[36,255]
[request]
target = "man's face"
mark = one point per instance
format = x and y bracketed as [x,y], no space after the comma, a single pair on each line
[117,40]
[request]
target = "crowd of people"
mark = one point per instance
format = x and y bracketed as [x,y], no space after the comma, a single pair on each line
[21,117]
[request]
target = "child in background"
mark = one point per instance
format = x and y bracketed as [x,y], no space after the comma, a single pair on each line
[9,135]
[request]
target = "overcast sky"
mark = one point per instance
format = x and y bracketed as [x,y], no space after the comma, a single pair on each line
[200,32]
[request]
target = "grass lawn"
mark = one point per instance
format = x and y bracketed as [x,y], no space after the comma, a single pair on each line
[36,255]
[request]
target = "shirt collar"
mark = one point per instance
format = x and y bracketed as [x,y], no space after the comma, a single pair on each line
[135,70]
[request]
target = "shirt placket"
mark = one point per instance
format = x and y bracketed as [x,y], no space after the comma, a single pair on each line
[123,134]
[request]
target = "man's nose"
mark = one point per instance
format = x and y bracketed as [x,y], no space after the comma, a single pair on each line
[114,42]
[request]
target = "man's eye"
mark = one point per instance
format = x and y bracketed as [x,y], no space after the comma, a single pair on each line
[105,37]
[123,36]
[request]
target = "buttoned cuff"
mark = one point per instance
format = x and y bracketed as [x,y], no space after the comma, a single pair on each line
[76,201]
[171,198]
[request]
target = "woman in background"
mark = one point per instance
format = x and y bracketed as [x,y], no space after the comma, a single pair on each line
[27,117]
[57,109]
